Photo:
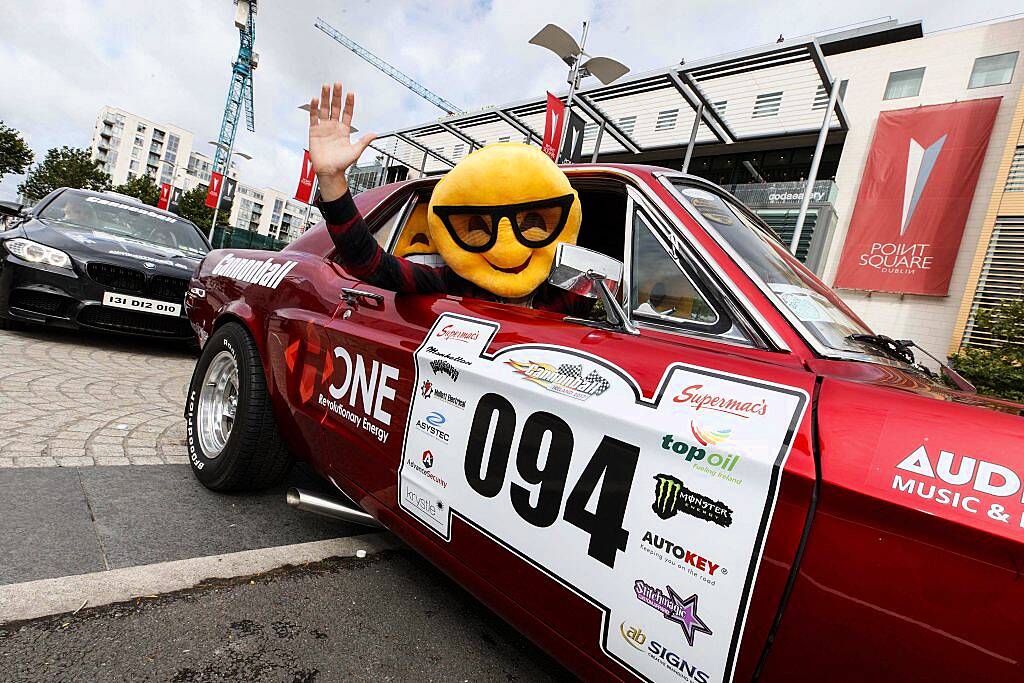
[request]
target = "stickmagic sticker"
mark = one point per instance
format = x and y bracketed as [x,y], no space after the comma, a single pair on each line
[653,508]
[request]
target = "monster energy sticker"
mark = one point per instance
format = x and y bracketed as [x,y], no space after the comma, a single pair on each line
[560,457]
[670,497]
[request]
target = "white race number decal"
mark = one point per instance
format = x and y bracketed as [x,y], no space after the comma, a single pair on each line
[654,509]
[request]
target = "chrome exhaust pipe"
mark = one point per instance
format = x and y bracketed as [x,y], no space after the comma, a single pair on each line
[310,502]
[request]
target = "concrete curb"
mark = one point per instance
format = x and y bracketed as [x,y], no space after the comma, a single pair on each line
[33,599]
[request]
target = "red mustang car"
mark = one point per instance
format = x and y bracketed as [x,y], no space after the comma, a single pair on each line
[721,475]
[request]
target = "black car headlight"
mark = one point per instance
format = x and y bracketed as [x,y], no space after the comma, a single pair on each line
[34,252]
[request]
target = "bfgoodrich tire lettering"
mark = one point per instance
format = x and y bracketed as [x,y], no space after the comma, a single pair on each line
[253,456]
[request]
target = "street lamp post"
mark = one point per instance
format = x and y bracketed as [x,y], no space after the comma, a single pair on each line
[605,69]
[227,173]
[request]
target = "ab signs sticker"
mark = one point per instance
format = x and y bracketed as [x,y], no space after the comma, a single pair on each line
[652,508]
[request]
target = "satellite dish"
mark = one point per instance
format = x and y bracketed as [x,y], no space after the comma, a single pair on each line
[558,41]
[605,69]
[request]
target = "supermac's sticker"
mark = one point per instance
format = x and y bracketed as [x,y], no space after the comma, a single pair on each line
[653,508]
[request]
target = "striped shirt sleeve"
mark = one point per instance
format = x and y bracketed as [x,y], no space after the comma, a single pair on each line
[358,253]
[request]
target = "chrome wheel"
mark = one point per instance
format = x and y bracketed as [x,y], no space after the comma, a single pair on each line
[218,401]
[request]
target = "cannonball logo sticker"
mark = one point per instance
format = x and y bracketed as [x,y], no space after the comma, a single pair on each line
[566,379]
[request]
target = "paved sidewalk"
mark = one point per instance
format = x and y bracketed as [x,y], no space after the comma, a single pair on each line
[74,399]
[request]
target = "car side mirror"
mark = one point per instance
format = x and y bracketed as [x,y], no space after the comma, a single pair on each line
[589,273]
[14,209]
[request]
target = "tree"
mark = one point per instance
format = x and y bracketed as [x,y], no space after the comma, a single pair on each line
[15,155]
[997,371]
[193,207]
[64,167]
[142,188]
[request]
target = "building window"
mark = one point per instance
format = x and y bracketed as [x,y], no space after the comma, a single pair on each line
[627,124]
[999,280]
[904,84]
[134,166]
[993,70]
[1015,180]
[136,152]
[767,104]
[666,119]
[141,128]
[821,96]
[138,141]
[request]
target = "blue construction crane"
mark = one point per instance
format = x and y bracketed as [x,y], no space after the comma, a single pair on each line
[376,61]
[240,90]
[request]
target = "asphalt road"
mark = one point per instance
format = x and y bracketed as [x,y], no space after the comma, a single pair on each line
[386,617]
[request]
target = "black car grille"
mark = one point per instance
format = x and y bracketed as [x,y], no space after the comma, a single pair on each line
[167,287]
[135,322]
[119,277]
[41,302]
[163,287]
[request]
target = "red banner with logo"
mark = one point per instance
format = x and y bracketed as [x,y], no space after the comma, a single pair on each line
[914,197]
[214,189]
[553,123]
[305,189]
[165,196]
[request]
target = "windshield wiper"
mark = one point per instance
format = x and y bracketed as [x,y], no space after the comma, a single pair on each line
[900,349]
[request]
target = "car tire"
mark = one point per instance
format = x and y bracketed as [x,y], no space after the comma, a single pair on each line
[232,438]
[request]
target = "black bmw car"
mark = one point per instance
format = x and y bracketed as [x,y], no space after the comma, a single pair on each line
[102,261]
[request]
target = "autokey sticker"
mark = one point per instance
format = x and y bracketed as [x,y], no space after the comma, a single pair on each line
[652,508]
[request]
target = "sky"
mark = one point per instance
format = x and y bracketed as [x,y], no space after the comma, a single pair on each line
[170,62]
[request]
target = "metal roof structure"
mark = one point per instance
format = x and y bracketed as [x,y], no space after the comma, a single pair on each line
[763,92]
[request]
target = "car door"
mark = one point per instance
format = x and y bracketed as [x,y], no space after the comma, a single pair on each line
[619,488]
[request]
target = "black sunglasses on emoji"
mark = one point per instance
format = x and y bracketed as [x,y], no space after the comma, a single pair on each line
[535,224]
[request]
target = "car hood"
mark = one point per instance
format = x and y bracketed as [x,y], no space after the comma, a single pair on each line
[88,244]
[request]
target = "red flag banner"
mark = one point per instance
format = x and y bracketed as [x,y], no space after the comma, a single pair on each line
[553,127]
[305,189]
[165,196]
[914,197]
[214,189]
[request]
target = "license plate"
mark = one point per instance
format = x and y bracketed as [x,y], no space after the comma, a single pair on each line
[137,303]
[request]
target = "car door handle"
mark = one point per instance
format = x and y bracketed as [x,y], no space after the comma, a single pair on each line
[352,296]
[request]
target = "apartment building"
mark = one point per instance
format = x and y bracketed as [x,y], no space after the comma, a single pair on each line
[129,145]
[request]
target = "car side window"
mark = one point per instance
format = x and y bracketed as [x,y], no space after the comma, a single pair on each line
[664,291]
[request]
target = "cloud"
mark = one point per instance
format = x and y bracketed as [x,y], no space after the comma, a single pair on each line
[171,62]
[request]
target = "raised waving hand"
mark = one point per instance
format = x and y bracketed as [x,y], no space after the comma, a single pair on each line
[330,148]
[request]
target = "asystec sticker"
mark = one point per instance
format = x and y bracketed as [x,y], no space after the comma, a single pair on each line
[558,456]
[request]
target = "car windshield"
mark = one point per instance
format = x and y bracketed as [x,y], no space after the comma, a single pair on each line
[126,220]
[815,306]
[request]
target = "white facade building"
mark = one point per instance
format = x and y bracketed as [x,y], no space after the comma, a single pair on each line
[942,67]
[128,145]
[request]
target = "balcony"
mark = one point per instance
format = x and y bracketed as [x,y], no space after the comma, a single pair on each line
[107,132]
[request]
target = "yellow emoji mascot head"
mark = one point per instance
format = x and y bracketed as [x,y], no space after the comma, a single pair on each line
[498,217]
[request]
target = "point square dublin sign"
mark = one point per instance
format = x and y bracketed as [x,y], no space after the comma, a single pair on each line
[914,197]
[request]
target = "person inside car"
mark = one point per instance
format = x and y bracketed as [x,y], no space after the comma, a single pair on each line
[496,219]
